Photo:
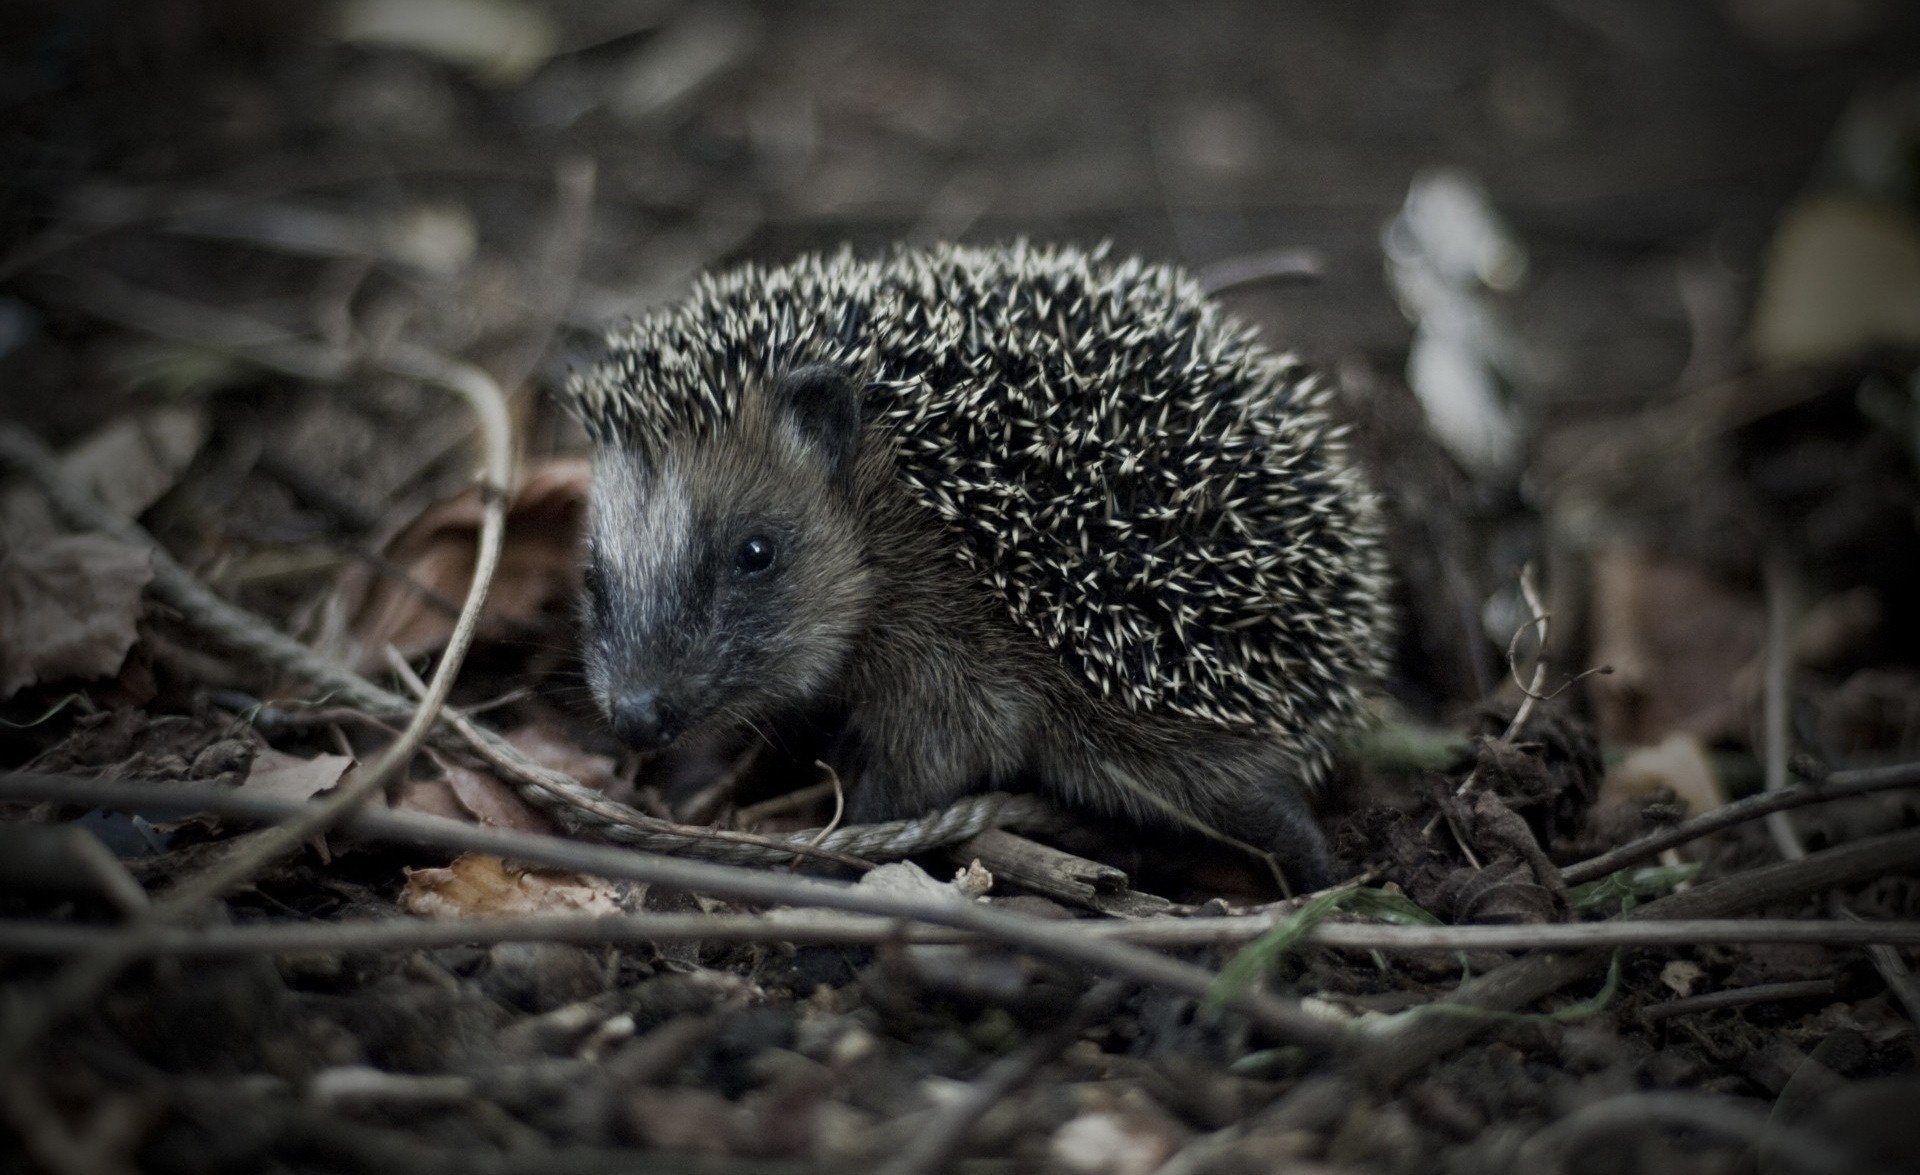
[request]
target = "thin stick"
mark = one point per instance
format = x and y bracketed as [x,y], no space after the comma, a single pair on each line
[826,928]
[934,1145]
[84,979]
[1552,1149]
[613,814]
[1426,1039]
[1529,692]
[1539,617]
[780,805]
[1838,786]
[1782,596]
[1280,1018]
[1739,997]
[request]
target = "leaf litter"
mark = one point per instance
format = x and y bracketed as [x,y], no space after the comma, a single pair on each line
[399,175]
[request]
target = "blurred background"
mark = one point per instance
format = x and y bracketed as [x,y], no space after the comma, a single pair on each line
[1642,149]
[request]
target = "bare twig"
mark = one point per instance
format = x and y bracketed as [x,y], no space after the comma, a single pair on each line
[1840,785]
[793,801]
[839,804]
[1426,1039]
[582,800]
[1280,1018]
[84,979]
[1059,875]
[934,1145]
[1739,997]
[1782,603]
[828,928]
[1529,691]
[1783,596]
[1631,1113]
[1537,617]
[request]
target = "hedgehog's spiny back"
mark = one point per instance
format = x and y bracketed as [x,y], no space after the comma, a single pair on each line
[1151,493]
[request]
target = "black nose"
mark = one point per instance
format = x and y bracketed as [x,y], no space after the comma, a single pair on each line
[644,720]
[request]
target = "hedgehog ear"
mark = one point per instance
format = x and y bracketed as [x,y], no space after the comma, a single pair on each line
[821,404]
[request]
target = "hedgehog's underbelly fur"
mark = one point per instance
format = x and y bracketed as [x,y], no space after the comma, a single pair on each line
[1144,489]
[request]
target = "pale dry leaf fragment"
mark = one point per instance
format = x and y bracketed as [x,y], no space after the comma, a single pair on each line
[1682,976]
[908,880]
[480,886]
[1841,275]
[1106,1142]
[1678,764]
[69,608]
[539,566]
[439,239]
[974,881]
[289,777]
[499,40]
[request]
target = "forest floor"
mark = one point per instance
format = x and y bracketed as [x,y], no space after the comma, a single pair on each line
[1622,302]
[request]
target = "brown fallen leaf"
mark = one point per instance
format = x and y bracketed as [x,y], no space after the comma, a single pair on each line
[679,1121]
[547,746]
[127,466]
[494,803]
[539,567]
[68,608]
[1676,638]
[431,797]
[480,886]
[276,773]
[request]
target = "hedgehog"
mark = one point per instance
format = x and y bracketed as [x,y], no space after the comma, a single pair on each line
[1021,517]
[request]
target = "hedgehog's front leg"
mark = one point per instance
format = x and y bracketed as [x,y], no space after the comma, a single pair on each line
[1236,787]
[922,739]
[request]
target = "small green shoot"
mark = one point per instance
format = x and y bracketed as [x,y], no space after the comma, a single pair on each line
[1259,956]
[1631,885]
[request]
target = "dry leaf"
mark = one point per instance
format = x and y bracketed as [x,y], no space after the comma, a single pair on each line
[1678,764]
[68,608]
[539,566]
[480,886]
[494,803]
[680,1121]
[549,748]
[1109,1142]
[1676,639]
[1681,976]
[501,41]
[126,466]
[431,797]
[276,773]
[1842,275]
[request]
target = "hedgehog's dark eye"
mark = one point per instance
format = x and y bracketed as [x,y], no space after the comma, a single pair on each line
[754,556]
[594,579]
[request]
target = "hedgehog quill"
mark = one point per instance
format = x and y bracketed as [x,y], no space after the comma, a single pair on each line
[1026,517]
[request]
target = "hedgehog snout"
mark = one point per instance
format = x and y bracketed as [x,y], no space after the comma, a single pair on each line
[645,720]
